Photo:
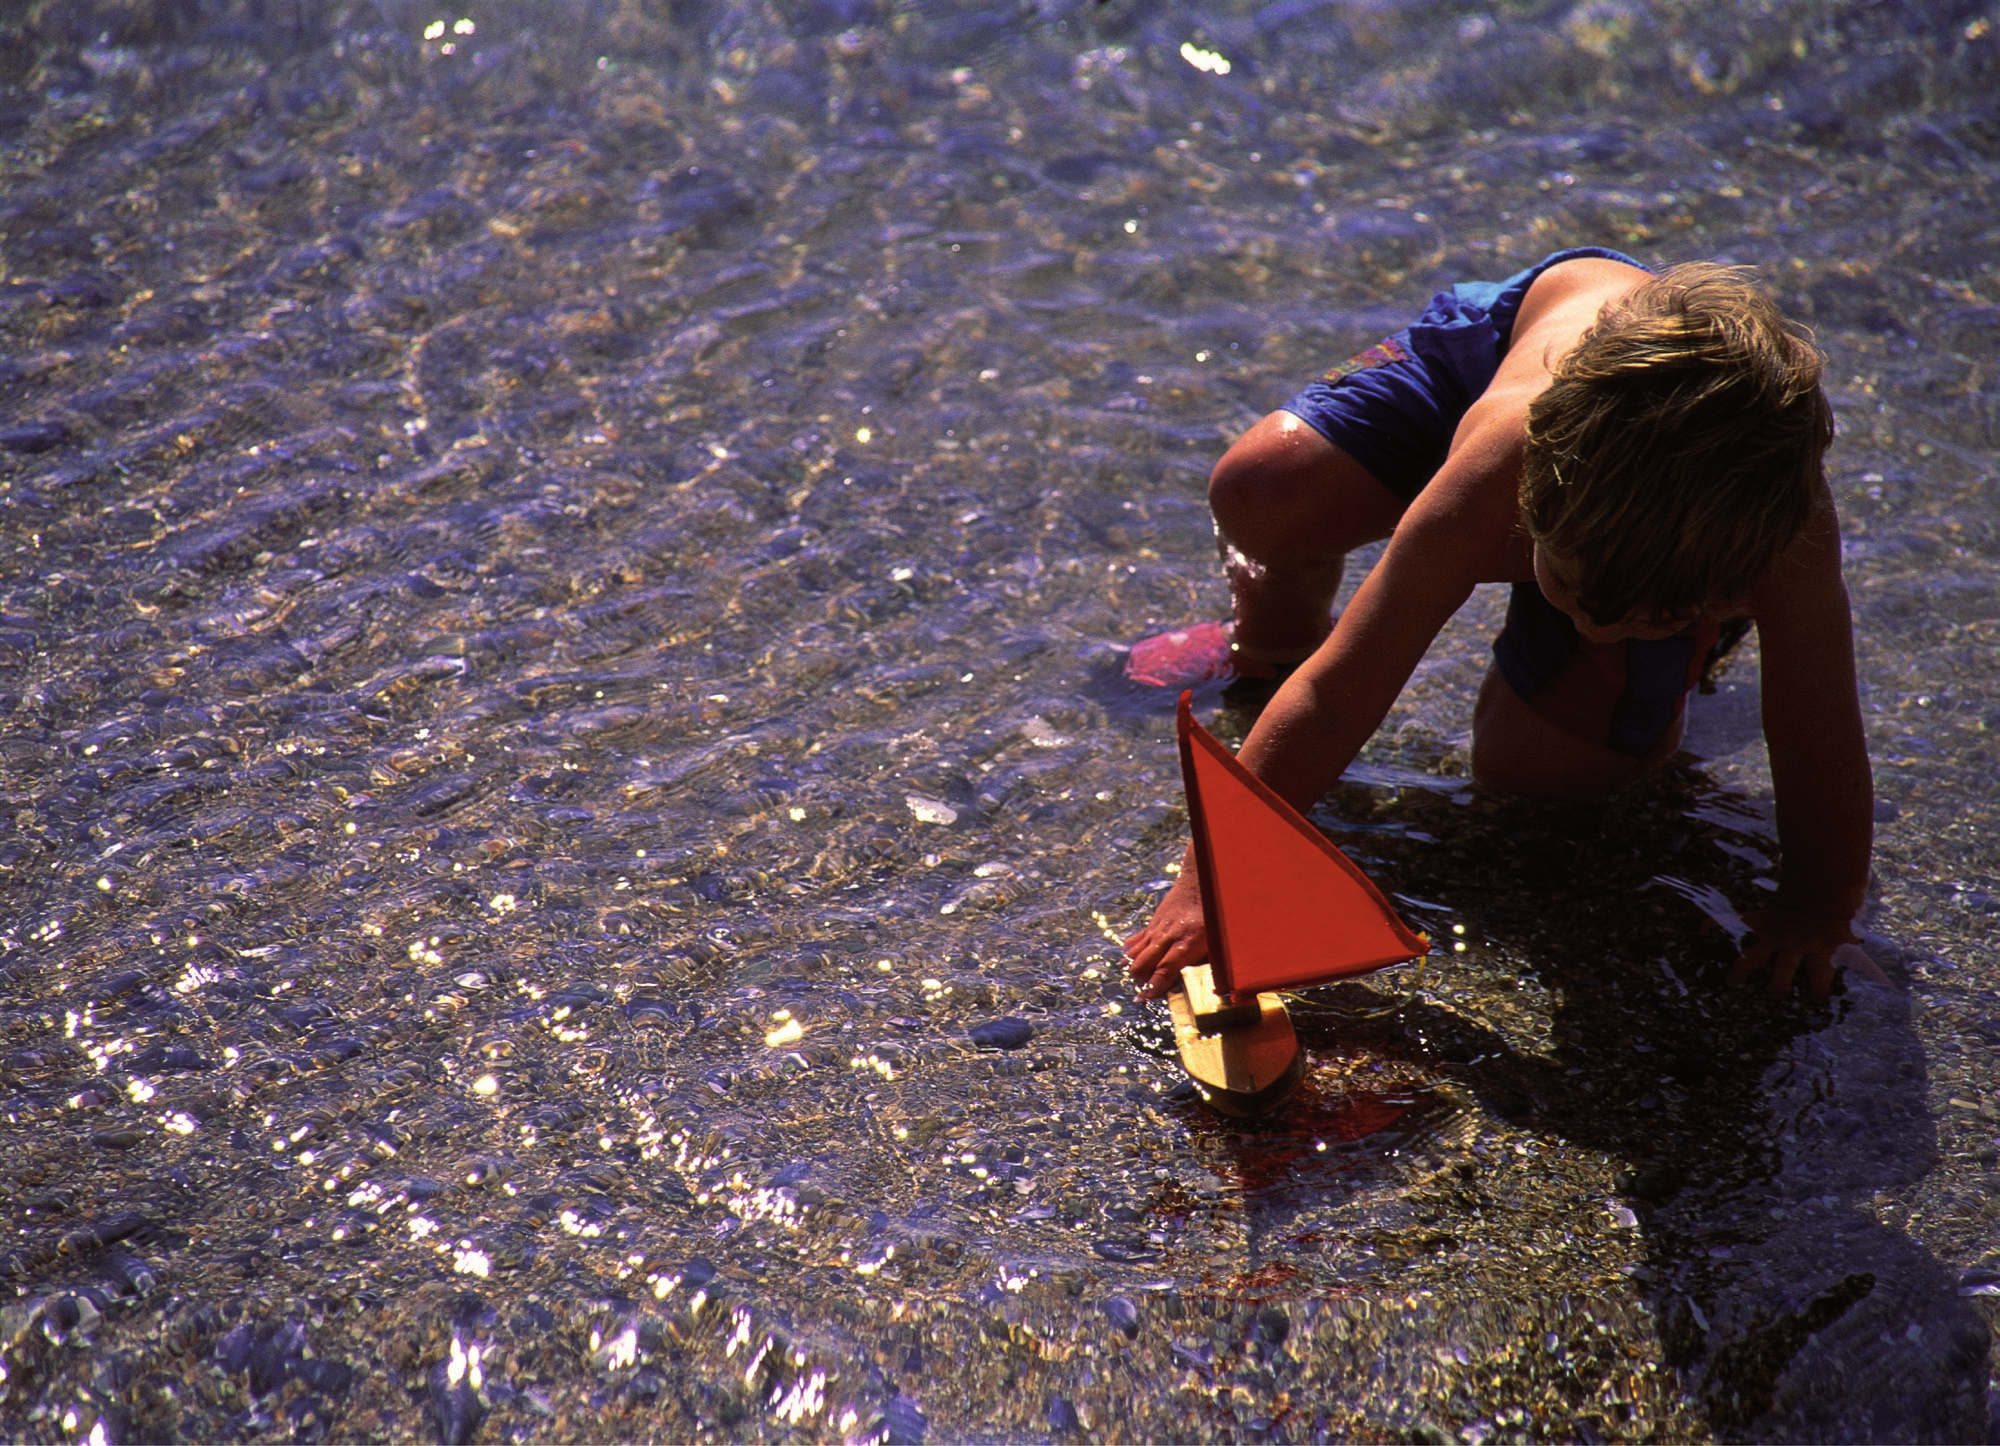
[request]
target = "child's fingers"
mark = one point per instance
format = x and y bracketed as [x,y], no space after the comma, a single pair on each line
[1784,968]
[1854,959]
[1187,950]
[1166,967]
[1141,953]
[1747,963]
[1807,954]
[1153,953]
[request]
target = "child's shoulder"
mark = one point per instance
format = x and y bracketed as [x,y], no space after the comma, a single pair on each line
[1566,299]
[1564,303]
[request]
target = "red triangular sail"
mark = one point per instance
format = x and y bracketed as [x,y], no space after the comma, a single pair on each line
[1285,908]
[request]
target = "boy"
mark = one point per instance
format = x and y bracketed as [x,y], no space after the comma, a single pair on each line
[1640,456]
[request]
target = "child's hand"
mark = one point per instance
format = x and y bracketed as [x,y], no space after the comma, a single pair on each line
[1174,939]
[1784,942]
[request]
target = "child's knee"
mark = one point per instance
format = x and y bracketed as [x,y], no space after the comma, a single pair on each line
[1258,493]
[1240,489]
[1515,750]
[1283,491]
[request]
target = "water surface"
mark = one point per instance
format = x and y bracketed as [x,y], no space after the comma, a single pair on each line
[565,576]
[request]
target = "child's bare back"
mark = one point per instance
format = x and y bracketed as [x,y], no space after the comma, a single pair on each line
[1640,456]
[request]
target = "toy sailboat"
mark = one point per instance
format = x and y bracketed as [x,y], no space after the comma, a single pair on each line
[1285,909]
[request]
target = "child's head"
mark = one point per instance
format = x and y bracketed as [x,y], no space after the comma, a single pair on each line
[1677,449]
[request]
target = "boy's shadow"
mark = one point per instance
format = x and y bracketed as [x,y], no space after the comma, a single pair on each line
[1754,1134]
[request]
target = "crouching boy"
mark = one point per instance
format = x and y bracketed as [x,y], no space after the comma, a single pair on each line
[1639,454]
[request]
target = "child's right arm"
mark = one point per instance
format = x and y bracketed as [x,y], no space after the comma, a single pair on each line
[1318,721]
[1312,729]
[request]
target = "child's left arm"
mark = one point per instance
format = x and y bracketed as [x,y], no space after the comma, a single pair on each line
[1819,762]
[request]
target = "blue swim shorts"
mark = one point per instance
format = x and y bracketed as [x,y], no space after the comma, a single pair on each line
[1394,407]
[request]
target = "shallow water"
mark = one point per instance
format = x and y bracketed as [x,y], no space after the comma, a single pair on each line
[559,651]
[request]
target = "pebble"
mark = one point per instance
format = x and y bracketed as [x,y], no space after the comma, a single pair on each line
[1063,1420]
[1008,1033]
[1273,1325]
[1123,1314]
[1126,1251]
[33,437]
[166,1059]
[1979,1280]
[489,1172]
[903,1423]
[456,1409]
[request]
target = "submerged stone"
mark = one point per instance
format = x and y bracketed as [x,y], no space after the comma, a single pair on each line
[1009,1033]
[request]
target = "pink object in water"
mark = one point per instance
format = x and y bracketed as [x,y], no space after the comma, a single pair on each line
[1187,656]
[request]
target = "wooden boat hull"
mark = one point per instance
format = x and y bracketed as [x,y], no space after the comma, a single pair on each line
[1240,1070]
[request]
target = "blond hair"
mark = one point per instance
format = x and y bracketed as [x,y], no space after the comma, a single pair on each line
[1676,451]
